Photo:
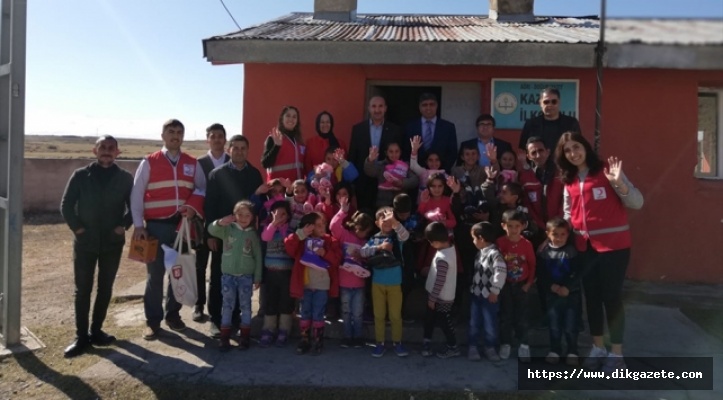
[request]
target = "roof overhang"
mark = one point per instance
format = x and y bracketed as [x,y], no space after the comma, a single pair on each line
[572,55]
[400,53]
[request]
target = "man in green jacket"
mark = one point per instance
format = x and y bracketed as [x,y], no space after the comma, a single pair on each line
[96,207]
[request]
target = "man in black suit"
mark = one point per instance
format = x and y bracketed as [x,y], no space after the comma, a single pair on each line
[486,135]
[228,184]
[373,132]
[216,156]
[438,135]
[551,124]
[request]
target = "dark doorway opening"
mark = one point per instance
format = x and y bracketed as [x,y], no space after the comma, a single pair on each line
[403,101]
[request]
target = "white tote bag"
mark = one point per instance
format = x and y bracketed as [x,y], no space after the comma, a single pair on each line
[181,267]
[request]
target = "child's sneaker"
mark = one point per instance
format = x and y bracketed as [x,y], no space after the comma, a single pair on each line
[595,359]
[613,362]
[552,358]
[572,360]
[523,353]
[427,349]
[449,352]
[358,343]
[379,350]
[473,354]
[266,338]
[505,350]
[282,338]
[491,354]
[400,350]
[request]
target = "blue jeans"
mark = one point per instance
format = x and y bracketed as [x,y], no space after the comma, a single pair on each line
[156,273]
[562,315]
[352,310]
[483,315]
[313,305]
[231,287]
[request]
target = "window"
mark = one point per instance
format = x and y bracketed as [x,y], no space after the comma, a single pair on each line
[710,123]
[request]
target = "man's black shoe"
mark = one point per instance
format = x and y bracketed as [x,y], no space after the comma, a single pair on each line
[101,338]
[77,347]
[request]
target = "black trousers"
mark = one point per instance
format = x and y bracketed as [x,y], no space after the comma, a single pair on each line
[602,280]
[442,316]
[202,256]
[513,313]
[84,265]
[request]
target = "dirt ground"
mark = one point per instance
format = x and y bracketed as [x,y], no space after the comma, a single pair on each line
[37,146]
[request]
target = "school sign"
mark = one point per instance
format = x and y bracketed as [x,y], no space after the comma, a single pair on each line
[514,101]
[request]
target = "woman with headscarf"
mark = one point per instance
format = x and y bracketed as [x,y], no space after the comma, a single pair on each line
[283,155]
[316,146]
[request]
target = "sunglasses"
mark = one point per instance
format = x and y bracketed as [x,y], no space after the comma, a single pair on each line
[552,101]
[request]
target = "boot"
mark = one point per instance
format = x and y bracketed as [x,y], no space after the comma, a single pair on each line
[304,345]
[245,340]
[318,340]
[225,344]
[282,338]
[267,337]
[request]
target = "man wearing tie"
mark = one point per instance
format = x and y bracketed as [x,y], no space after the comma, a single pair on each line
[438,135]
[375,131]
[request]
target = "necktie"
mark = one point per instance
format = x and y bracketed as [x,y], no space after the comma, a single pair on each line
[428,135]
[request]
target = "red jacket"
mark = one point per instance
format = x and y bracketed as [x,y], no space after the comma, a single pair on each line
[170,187]
[445,207]
[315,151]
[289,162]
[537,195]
[598,214]
[295,248]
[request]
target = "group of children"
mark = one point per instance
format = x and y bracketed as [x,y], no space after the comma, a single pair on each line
[316,247]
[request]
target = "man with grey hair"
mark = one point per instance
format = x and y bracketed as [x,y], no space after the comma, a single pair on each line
[96,207]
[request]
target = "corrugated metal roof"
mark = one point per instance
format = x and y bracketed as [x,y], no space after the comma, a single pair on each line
[460,28]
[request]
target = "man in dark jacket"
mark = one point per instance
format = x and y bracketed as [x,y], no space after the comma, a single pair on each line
[438,135]
[551,124]
[96,207]
[485,124]
[377,132]
[228,184]
[216,156]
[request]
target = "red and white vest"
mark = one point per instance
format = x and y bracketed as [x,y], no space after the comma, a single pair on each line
[598,214]
[170,187]
[543,202]
[289,162]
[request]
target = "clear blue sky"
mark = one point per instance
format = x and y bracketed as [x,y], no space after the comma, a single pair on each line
[122,67]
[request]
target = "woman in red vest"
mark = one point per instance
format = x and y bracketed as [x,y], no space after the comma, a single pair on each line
[316,146]
[283,155]
[596,195]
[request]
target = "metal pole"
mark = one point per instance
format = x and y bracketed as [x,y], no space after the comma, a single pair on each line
[600,54]
[12,139]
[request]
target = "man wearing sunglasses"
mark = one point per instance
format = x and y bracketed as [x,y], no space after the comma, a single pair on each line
[551,124]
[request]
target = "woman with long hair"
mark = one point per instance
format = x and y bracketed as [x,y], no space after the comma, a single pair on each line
[283,155]
[595,197]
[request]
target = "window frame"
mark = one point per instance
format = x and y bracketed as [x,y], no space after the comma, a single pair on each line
[717,173]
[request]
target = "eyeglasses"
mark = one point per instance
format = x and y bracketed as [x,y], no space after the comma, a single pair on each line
[552,101]
[485,124]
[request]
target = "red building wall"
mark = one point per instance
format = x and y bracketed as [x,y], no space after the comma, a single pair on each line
[649,121]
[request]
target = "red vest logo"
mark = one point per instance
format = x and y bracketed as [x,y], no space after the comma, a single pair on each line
[177,272]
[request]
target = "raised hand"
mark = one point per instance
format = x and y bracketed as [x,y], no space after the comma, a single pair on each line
[491,172]
[285,182]
[277,136]
[308,229]
[453,184]
[277,218]
[614,172]
[491,151]
[424,196]
[227,220]
[263,189]
[389,216]
[339,155]
[416,143]
[373,153]
[344,203]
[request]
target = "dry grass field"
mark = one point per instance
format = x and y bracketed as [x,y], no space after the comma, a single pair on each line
[80,147]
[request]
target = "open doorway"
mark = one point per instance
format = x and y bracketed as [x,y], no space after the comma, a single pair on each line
[403,101]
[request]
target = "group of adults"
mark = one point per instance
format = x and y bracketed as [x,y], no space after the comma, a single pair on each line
[102,200]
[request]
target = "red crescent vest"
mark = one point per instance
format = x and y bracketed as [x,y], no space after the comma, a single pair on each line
[542,202]
[170,187]
[598,215]
[289,162]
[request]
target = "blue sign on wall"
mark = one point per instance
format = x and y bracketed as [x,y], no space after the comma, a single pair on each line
[514,101]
